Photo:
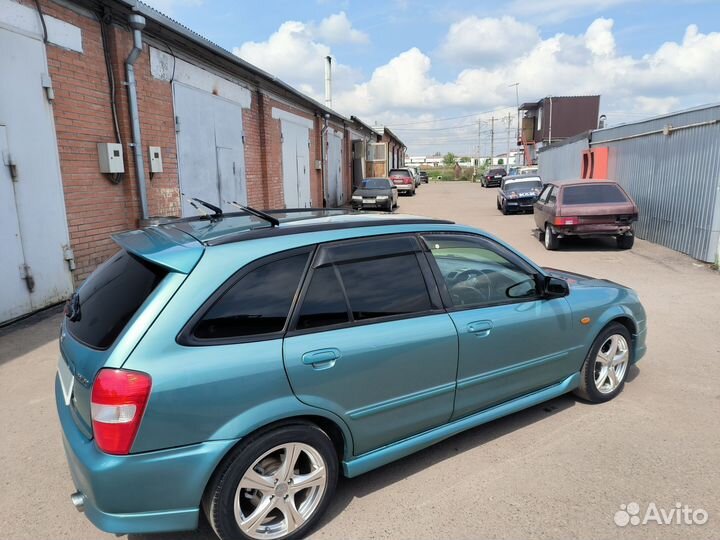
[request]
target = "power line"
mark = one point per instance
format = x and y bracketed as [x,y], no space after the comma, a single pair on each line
[393,126]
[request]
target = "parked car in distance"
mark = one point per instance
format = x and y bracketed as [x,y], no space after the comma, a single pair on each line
[493,177]
[585,208]
[518,193]
[237,364]
[424,177]
[416,175]
[404,180]
[516,170]
[375,193]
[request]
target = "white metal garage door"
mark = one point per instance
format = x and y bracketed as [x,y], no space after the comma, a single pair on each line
[296,164]
[34,272]
[335,194]
[211,156]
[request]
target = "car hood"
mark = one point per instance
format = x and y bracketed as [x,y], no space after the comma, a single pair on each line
[579,280]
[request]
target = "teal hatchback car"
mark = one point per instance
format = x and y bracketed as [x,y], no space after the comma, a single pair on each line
[237,364]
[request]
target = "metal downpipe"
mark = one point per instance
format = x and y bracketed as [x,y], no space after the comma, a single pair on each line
[137,23]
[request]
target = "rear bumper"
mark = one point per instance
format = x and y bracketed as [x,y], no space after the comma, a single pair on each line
[597,229]
[405,187]
[139,493]
[492,182]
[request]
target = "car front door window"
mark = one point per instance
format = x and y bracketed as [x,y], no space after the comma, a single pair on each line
[477,272]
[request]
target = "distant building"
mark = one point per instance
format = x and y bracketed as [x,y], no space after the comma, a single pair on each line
[555,118]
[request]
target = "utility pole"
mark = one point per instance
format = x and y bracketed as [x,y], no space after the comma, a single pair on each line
[517,105]
[479,147]
[509,125]
[492,140]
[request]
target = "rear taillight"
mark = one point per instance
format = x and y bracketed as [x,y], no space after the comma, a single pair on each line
[566,221]
[118,402]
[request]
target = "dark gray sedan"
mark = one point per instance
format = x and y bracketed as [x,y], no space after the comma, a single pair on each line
[375,193]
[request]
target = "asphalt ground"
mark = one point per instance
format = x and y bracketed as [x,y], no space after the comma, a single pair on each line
[558,470]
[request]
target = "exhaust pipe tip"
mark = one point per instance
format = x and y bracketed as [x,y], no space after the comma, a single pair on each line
[78,500]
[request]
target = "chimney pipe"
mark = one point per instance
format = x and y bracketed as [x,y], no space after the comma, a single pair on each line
[328,82]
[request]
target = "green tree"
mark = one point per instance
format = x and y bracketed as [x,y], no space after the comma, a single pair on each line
[501,161]
[449,159]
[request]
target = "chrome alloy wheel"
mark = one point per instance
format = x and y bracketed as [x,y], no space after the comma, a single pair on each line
[280,491]
[611,363]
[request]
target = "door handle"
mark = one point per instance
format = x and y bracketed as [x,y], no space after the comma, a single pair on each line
[480,328]
[321,359]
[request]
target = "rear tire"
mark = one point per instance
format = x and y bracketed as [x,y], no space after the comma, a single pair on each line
[551,241]
[262,460]
[625,241]
[612,349]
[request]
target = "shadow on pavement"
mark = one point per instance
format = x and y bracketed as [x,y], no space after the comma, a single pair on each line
[362,486]
[22,337]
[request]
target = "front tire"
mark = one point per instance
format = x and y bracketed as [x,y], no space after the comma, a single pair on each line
[275,486]
[603,374]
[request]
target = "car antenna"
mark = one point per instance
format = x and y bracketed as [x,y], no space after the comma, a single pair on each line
[273,221]
[217,212]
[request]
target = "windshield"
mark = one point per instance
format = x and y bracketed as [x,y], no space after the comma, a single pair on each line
[399,172]
[593,194]
[523,185]
[375,183]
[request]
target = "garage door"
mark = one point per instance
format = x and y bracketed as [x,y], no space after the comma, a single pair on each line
[34,272]
[335,195]
[211,156]
[295,158]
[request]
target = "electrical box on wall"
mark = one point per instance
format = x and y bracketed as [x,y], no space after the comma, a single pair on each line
[110,156]
[318,164]
[155,159]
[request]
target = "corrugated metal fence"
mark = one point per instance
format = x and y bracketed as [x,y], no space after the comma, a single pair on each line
[562,162]
[671,167]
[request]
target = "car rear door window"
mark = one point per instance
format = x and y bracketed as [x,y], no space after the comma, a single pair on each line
[324,303]
[106,302]
[385,287]
[593,194]
[257,304]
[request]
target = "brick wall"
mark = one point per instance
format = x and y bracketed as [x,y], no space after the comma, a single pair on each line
[96,207]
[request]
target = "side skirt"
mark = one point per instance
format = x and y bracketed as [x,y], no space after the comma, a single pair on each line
[382,456]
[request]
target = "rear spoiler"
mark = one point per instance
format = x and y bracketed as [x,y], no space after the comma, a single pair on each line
[165,246]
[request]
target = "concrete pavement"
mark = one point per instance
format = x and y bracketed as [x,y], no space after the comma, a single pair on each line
[561,469]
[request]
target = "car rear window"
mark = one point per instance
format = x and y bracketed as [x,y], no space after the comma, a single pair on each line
[593,194]
[495,172]
[399,172]
[109,298]
[258,303]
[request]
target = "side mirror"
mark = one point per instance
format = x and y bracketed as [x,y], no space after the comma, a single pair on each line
[554,287]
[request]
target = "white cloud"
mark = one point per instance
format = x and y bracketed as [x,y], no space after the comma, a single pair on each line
[293,54]
[675,75]
[296,53]
[478,41]
[337,28]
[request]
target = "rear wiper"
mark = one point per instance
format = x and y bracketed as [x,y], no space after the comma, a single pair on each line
[273,221]
[217,212]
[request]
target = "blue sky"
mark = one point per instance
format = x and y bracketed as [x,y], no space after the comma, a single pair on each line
[411,65]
